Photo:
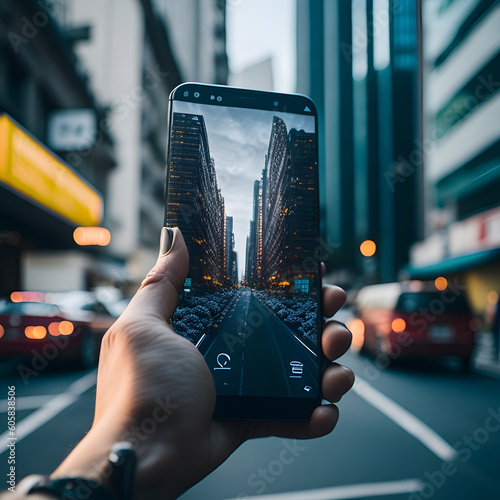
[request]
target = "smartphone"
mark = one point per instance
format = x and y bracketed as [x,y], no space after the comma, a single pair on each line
[242,185]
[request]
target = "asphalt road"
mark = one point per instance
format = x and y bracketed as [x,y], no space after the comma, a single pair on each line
[256,354]
[419,430]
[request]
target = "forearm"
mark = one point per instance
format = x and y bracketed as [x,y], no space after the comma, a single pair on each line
[90,461]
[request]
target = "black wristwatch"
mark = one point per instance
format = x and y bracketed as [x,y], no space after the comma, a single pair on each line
[122,471]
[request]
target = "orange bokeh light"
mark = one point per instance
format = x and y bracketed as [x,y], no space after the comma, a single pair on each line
[441,283]
[2,331]
[39,332]
[99,236]
[492,297]
[54,329]
[28,331]
[398,325]
[16,297]
[368,248]
[66,328]
[357,328]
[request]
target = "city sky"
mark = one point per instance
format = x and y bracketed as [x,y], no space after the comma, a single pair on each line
[238,140]
[271,27]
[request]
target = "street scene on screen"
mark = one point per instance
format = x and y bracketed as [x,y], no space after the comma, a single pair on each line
[242,188]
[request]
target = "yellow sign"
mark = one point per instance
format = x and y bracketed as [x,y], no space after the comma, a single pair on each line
[30,168]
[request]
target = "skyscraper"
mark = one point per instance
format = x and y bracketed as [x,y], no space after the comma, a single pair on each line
[285,208]
[358,60]
[195,203]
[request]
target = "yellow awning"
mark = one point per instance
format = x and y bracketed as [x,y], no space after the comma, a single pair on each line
[30,168]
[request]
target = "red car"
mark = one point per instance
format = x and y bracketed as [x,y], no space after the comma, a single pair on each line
[413,319]
[42,332]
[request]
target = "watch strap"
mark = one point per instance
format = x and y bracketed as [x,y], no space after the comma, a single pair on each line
[72,488]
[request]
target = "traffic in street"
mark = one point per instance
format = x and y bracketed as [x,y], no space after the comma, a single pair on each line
[288,144]
[420,430]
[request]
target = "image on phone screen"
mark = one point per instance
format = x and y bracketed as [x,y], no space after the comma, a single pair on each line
[242,187]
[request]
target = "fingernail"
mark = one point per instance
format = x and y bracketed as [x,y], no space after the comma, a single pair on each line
[166,239]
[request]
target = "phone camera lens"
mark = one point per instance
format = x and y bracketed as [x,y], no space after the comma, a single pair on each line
[212,97]
[219,98]
[186,93]
[197,94]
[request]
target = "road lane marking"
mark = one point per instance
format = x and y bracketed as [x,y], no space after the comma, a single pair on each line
[287,328]
[50,409]
[406,420]
[201,340]
[27,402]
[349,491]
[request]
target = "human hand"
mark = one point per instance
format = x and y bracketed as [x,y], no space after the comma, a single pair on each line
[155,389]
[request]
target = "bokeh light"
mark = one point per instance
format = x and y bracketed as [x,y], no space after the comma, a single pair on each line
[357,328]
[399,325]
[368,248]
[441,283]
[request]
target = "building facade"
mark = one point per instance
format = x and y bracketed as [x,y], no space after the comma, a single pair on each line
[461,142]
[282,240]
[42,80]
[195,203]
[197,34]
[138,52]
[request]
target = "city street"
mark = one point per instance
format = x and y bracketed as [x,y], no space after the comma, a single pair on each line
[262,358]
[392,438]
[267,136]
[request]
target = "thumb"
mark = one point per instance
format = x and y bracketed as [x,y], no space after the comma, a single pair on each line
[160,290]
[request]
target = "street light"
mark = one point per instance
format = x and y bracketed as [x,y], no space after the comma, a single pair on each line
[99,236]
[441,283]
[367,248]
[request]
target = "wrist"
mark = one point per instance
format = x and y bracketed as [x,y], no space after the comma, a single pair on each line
[155,461]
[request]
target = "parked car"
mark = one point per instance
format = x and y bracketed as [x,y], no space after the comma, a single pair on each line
[395,320]
[50,331]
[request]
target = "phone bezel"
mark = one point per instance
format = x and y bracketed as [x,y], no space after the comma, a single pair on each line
[244,407]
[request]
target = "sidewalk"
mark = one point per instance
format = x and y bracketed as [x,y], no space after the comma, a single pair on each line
[486,360]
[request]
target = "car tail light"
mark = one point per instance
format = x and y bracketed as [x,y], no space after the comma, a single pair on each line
[398,325]
[66,328]
[54,328]
[473,325]
[35,332]
[357,328]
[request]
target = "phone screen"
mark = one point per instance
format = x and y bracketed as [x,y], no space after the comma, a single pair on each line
[242,185]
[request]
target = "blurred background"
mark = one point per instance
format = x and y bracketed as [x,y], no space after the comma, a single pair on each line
[409,106]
